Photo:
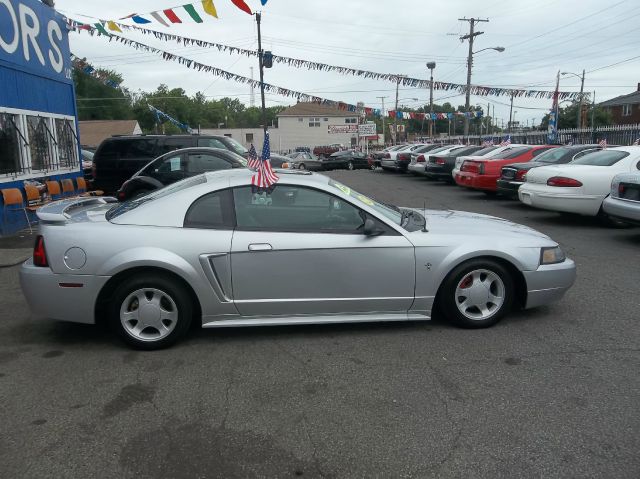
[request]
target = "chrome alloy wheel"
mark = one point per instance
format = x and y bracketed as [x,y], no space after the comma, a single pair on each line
[480,294]
[148,314]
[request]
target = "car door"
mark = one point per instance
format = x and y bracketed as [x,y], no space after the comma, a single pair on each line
[301,251]
[169,169]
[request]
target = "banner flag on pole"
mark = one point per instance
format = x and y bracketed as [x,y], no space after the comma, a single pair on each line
[209,8]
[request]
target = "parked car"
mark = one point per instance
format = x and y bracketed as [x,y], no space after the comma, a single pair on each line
[512,176]
[305,161]
[440,165]
[580,186]
[327,151]
[390,161]
[302,149]
[277,161]
[211,249]
[419,160]
[175,166]
[490,154]
[119,157]
[623,203]
[379,155]
[482,174]
[87,164]
[348,159]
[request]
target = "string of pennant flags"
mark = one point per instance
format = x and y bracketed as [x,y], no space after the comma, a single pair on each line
[477,90]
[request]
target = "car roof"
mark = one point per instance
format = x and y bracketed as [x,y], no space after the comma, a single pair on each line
[142,137]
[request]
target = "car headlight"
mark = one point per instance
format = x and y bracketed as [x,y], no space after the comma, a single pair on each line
[552,255]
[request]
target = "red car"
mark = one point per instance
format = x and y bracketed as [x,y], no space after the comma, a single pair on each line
[483,174]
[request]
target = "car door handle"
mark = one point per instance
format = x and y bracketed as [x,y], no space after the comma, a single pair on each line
[260,247]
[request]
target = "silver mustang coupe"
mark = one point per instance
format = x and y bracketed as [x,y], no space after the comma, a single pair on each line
[211,249]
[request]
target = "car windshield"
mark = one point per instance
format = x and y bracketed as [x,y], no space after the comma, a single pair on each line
[125,206]
[555,155]
[237,147]
[601,158]
[511,153]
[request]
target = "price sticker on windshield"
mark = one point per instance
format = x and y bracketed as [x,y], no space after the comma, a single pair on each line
[365,200]
[345,189]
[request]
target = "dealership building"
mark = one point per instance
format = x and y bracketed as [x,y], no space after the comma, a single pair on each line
[38,117]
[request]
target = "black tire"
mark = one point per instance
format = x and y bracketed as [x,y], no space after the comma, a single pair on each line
[166,286]
[302,166]
[490,194]
[609,222]
[351,166]
[448,302]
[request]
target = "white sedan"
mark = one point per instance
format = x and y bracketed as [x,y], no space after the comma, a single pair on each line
[580,186]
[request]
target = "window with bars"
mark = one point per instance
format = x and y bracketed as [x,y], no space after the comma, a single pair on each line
[10,150]
[67,143]
[39,144]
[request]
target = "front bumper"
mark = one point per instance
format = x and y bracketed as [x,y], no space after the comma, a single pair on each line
[549,283]
[509,188]
[48,299]
[625,210]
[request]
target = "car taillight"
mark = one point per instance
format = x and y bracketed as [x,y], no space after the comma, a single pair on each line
[121,195]
[520,175]
[387,155]
[563,182]
[440,161]
[420,159]
[39,253]
[621,189]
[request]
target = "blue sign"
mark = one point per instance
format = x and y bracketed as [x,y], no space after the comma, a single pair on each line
[34,38]
[552,130]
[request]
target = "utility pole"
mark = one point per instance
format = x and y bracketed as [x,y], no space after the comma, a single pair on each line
[593,111]
[579,122]
[488,118]
[384,139]
[252,91]
[510,114]
[472,34]
[260,59]
[395,119]
[431,66]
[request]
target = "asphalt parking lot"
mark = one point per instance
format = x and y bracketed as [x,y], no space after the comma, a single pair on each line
[550,392]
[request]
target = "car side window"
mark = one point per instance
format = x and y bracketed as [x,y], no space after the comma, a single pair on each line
[201,162]
[539,151]
[211,211]
[211,143]
[295,209]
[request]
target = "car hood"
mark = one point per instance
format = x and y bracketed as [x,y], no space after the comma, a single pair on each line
[467,224]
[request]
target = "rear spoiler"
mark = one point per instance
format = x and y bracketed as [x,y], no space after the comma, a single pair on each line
[59,211]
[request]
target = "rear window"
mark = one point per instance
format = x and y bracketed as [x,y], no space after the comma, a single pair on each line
[122,208]
[555,155]
[486,150]
[511,154]
[129,148]
[236,146]
[172,144]
[466,151]
[601,158]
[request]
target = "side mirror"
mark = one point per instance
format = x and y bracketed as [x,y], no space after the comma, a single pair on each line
[370,228]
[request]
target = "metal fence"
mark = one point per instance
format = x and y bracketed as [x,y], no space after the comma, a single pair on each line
[622,135]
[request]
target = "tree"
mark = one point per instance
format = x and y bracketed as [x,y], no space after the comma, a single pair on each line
[568,117]
[98,101]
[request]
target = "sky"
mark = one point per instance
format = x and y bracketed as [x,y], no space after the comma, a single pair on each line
[386,36]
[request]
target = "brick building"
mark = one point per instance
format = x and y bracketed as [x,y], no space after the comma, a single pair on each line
[625,109]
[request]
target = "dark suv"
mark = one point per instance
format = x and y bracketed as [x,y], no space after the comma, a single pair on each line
[119,157]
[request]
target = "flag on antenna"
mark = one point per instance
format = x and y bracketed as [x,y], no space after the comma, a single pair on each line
[252,159]
[264,177]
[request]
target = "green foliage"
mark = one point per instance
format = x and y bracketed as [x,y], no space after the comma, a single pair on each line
[97,101]
[568,117]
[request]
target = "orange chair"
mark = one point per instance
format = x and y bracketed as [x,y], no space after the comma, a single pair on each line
[53,187]
[13,201]
[67,187]
[82,188]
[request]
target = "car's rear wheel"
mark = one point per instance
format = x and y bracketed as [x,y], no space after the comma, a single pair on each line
[609,222]
[477,294]
[151,312]
[302,166]
[350,166]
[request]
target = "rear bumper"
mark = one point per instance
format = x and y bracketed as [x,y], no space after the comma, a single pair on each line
[48,299]
[417,168]
[559,199]
[438,171]
[625,210]
[475,181]
[508,188]
[549,283]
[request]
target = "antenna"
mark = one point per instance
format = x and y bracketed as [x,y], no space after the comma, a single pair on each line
[424,225]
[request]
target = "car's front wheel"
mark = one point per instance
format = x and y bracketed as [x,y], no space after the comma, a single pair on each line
[151,312]
[302,166]
[477,294]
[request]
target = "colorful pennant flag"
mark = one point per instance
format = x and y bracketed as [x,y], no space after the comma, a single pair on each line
[264,2]
[138,19]
[192,13]
[209,8]
[113,26]
[264,177]
[241,4]
[159,18]
[173,18]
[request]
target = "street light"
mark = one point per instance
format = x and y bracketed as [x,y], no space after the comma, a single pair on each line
[579,122]
[431,66]
[467,96]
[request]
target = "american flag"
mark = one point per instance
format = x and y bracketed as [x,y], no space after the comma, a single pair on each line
[637,142]
[506,141]
[253,161]
[603,143]
[264,177]
[488,142]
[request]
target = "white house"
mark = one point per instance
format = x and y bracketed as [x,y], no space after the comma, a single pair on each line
[301,125]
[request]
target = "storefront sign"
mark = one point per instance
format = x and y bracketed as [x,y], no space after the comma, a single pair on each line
[343,129]
[367,129]
[34,38]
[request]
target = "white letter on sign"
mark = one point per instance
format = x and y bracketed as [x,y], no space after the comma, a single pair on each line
[55,55]
[13,46]
[30,32]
